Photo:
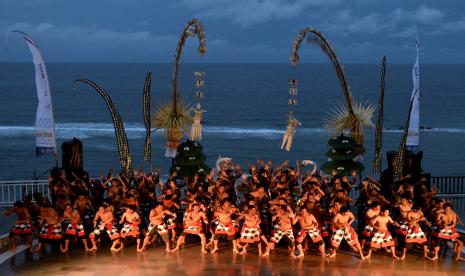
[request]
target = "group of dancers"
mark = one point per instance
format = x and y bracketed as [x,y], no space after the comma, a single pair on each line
[299,209]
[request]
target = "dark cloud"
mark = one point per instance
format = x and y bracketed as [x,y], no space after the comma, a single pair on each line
[238,31]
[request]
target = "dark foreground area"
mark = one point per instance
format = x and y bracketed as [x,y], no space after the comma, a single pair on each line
[189,261]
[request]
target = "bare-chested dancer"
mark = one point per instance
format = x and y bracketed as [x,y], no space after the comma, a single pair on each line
[445,231]
[74,228]
[309,226]
[369,229]
[105,215]
[157,226]
[285,217]
[250,233]
[130,228]
[225,225]
[342,222]
[193,226]
[22,225]
[414,233]
[51,231]
[381,236]
[404,207]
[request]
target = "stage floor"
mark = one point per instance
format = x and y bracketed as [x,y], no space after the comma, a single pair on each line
[189,261]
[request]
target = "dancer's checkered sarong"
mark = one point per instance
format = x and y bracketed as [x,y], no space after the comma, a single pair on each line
[75,229]
[415,235]
[368,231]
[51,231]
[403,228]
[348,233]
[193,229]
[222,229]
[446,233]
[21,229]
[279,234]
[109,228]
[130,230]
[381,239]
[313,233]
[154,229]
[250,235]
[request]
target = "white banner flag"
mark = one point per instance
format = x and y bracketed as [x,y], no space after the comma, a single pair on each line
[413,138]
[45,124]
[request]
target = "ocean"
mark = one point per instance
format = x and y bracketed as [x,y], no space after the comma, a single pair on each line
[246,112]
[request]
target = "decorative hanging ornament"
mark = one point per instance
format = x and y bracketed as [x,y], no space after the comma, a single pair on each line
[196,129]
[292,122]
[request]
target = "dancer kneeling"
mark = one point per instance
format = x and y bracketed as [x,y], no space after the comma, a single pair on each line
[342,222]
[105,214]
[157,226]
[74,227]
[309,226]
[193,226]
[381,237]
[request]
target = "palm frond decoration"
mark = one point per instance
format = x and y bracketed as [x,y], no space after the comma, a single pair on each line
[377,160]
[339,120]
[166,117]
[174,118]
[353,125]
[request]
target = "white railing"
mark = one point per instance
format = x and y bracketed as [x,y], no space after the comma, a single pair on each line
[11,191]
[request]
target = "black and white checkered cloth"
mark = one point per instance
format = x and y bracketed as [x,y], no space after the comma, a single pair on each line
[129,229]
[222,229]
[109,228]
[250,235]
[21,229]
[75,229]
[403,228]
[368,231]
[348,233]
[415,235]
[313,233]
[279,234]
[381,239]
[447,233]
[154,229]
[193,229]
[51,231]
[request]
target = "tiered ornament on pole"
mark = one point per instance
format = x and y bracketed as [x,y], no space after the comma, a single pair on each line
[174,117]
[292,122]
[350,117]
[120,133]
[196,129]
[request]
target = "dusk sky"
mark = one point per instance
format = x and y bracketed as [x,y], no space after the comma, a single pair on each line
[361,31]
